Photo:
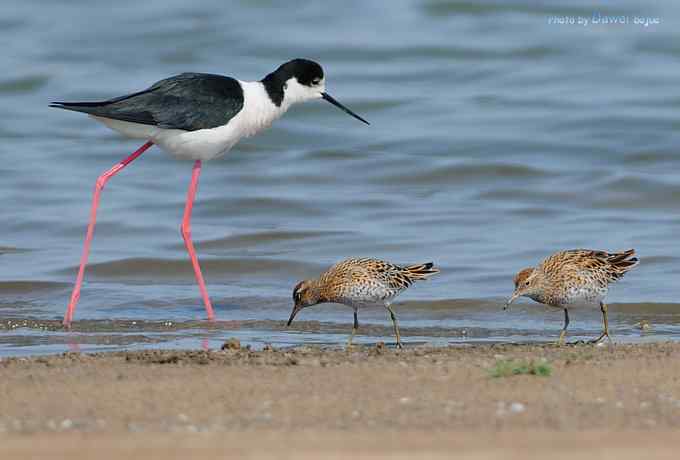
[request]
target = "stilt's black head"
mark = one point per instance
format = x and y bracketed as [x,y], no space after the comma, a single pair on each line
[300,80]
[307,73]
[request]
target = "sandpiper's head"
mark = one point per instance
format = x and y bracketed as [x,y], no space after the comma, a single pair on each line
[528,283]
[300,80]
[305,294]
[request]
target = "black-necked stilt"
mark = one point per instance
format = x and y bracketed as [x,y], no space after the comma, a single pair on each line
[197,116]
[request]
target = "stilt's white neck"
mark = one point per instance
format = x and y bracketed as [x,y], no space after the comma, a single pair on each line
[258,112]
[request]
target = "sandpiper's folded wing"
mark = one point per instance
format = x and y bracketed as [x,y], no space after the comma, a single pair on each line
[189,101]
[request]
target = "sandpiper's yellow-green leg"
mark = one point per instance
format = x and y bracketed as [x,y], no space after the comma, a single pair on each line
[395,323]
[605,322]
[354,330]
[560,341]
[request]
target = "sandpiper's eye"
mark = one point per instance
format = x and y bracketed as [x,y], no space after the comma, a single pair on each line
[527,283]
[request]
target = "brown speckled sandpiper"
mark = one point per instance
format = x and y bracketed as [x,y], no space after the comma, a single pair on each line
[360,283]
[578,277]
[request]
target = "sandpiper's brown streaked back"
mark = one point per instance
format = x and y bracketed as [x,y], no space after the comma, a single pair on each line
[360,283]
[578,277]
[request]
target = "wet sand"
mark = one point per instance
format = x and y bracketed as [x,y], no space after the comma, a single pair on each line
[620,401]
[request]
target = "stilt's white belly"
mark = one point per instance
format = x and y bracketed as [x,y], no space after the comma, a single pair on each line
[204,144]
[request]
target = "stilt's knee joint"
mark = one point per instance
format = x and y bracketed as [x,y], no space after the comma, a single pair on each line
[101,182]
[185,231]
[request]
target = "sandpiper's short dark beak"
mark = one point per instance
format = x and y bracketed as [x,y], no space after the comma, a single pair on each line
[510,300]
[328,97]
[296,309]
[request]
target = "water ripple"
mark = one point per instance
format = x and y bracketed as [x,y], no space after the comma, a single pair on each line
[496,138]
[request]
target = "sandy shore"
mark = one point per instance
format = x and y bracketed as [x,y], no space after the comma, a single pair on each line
[620,401]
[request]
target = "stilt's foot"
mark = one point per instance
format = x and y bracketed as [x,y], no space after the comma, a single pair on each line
[400,346]
[68,317]
[560,341]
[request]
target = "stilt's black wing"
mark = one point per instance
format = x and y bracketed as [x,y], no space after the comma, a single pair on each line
[189,101]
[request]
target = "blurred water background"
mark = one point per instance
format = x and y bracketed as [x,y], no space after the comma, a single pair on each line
[500,133]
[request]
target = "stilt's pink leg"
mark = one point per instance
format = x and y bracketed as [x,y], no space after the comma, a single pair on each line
[186,234]
[99,186]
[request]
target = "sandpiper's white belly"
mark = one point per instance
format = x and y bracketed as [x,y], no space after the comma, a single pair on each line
[585,297]
[258,113]
[378,296]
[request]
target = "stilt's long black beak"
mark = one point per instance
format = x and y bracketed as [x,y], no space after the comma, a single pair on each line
[328,97]
[295,311]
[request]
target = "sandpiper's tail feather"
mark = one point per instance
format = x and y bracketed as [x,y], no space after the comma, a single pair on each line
[421,271]
[621,262]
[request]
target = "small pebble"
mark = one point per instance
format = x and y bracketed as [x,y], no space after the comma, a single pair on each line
[266,417]
[517,407]
[232,344]
[643,325]
[133,427]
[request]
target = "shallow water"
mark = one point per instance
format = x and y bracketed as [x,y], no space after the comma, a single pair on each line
[496,139]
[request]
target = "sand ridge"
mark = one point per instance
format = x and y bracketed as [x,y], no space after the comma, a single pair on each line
[420,393]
